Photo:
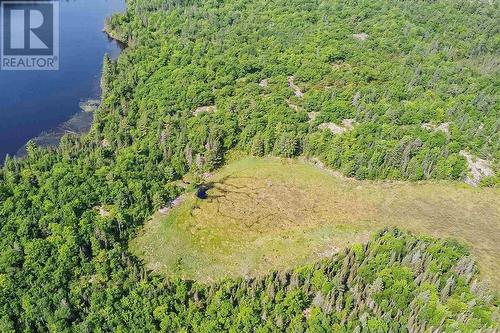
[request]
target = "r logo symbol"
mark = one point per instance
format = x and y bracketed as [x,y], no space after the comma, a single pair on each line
[30,34]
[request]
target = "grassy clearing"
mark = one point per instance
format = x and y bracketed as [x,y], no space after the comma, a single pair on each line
[266,214]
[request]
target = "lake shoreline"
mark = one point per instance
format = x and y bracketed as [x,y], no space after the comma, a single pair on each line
[80,123]
[42,107]
[114,36]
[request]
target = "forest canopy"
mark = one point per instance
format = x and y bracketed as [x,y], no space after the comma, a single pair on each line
[376,89]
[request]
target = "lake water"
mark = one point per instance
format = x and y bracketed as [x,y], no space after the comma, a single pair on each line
[32,102]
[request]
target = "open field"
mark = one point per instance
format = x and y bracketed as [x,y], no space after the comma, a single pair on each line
[266,214]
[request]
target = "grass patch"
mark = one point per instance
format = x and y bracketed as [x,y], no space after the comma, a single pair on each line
[267,214]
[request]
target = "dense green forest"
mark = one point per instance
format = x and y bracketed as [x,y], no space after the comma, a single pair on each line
[419,63]
[201,78]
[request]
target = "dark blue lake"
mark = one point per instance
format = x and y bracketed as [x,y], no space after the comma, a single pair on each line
[32,102]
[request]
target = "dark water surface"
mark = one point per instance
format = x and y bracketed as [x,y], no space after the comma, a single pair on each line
[32,102]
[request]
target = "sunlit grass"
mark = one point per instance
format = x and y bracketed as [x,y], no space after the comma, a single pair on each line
[266,214]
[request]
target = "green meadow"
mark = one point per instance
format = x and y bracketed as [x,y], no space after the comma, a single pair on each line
[267,214]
